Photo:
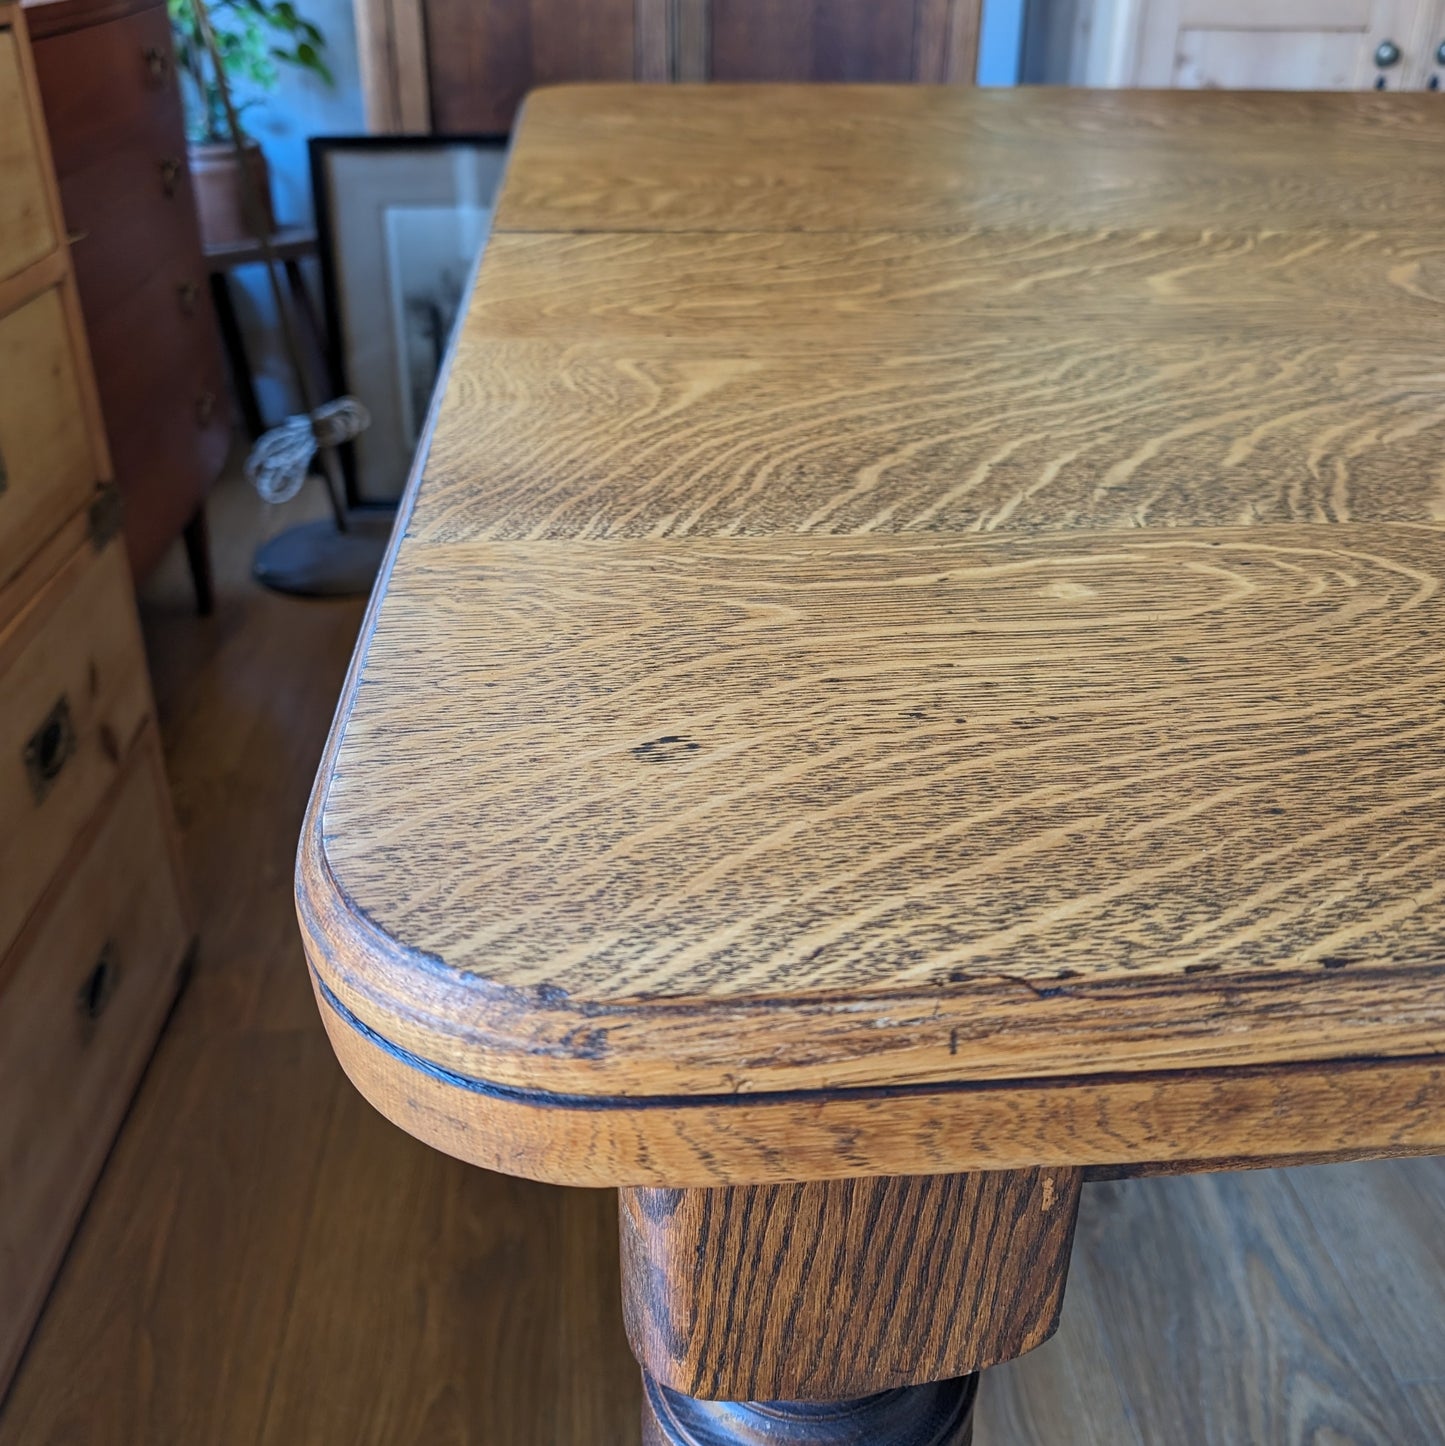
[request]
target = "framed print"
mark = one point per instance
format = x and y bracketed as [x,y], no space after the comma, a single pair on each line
[400,222]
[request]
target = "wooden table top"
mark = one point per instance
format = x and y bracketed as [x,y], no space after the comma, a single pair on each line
[916,644]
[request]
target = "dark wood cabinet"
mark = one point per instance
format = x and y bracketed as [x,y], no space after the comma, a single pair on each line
[113,110]
[482,56]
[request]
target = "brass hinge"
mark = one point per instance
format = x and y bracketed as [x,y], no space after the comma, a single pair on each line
[105,514]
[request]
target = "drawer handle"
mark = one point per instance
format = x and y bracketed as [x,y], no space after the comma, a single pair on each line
[188,292]
[48,748]
[98,988]
[170,175]
[205,408]
[158,66]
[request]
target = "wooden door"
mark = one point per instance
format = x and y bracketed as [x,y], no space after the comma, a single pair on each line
[1432,48]
[841,40]
[482,56]
[1274,44]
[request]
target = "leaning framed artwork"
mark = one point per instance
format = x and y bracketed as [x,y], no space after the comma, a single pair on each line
[400,221]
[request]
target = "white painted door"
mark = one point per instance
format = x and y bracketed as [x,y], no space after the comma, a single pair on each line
[1268,44]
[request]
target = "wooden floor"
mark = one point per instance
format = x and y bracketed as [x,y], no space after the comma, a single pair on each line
[267,1260]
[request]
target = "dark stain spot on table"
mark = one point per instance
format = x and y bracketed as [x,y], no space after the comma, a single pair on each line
[666,749]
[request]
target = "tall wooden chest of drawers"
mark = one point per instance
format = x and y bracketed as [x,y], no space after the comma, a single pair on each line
[112,104]
[93,925]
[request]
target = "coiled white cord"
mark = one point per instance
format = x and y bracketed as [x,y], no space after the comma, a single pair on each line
[281,458]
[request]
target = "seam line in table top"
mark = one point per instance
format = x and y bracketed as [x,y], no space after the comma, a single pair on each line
[546,1099]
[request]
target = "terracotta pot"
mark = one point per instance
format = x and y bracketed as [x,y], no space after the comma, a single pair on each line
[216,180]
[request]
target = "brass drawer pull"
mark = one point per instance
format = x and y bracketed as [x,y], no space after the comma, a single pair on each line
[158,66]
[205,408]
[188,292]
[99,987]
[170,175]
[48,748]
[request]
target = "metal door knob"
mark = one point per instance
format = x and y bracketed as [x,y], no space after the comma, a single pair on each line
[1440,53]
[1387,53]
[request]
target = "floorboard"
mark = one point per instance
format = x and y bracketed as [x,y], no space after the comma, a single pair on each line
[266,1262]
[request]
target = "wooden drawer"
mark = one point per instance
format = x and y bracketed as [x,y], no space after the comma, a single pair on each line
[115,119]
[165,405]
[73,696]
[108,87]
[26,232]
[45,453]
[82,999]
[119,143]
[132,217]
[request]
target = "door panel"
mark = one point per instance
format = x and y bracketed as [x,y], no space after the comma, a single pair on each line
[813,39]
[1281,44]
[484,55]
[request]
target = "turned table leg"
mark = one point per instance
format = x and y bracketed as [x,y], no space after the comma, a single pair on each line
[840,1311]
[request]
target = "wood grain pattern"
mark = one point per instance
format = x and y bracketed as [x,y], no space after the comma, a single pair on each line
[50,465]
[82,998]
[475,62]
[157,357]
[1193,1117]
[899,785]
[693,756]
[649,385]
[1209,1311]
[913,158]
[391,54]
[946,41]
[76,649]
[1322,1377]
[483,56]
[837,1289]
[27,231]
[251,1177]
[827,40]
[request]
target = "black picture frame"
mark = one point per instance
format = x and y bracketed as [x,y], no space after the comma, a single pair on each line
[320,151]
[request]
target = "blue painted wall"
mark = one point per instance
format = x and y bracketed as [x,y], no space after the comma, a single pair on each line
[999,42]
[302,106]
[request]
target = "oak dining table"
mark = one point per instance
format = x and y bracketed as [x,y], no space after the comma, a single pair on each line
[910,675]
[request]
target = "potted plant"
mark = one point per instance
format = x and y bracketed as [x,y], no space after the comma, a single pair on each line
[255,39]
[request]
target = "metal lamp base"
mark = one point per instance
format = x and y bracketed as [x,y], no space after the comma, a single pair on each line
[314,559]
